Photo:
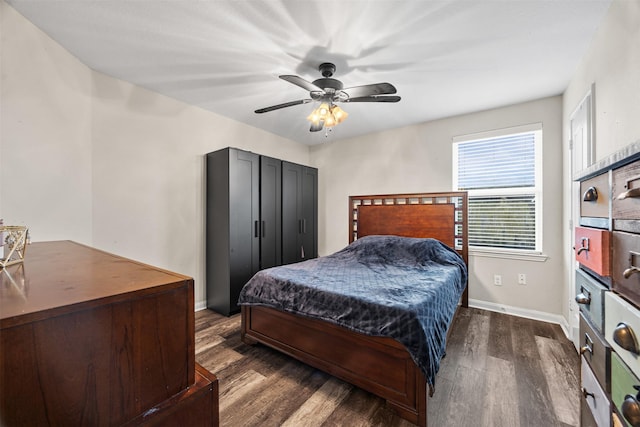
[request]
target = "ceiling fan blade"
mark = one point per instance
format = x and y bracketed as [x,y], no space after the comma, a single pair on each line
[286,104]
[299,81]
[374,98]
[368,90]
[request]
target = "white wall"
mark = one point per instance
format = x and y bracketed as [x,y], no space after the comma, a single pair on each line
[612,64]
[89,158]
[45,128]
[148,173]
[419,159]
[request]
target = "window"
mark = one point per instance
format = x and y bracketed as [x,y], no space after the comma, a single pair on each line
[501,171]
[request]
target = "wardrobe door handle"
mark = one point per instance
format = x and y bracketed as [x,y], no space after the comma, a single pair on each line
[624,336]
[304,226]
[256,227]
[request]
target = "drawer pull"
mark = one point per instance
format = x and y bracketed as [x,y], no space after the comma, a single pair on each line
[584,349]
[586,394]
[591,195]
[632,269]
[583,247]
[584,297]
[623,336]
[630,193]
[588,345]
[629,271]
[631,408]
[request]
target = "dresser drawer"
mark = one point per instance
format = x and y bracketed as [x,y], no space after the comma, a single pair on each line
[626,191]
[595,197]
[622,383]
[596,352]
[586,417]
[590,297]
[592,249]
[617,314]
[625,265]
[595,396]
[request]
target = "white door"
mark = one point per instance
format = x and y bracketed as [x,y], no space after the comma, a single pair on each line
[582,156]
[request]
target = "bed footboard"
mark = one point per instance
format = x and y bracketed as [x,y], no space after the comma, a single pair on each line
[379,365]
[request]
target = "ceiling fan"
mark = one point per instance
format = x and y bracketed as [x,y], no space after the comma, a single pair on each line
[329,91]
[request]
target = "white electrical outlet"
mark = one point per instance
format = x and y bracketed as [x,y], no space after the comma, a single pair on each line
[522,279]
[497,280]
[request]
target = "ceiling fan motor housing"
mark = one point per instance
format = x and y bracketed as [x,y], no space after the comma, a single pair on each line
[327,69]
[328,83]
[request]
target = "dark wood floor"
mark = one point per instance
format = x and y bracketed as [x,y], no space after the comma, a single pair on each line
[499,370]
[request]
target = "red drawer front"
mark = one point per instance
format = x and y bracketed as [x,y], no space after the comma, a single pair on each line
[592,249]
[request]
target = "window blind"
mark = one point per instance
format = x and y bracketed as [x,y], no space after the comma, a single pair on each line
[504,162]
[503,222]
[499,174]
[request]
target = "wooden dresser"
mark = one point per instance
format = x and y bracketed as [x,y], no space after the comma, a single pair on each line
[90,338]
[607,245]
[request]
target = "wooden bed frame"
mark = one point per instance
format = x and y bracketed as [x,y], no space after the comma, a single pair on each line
[379,365]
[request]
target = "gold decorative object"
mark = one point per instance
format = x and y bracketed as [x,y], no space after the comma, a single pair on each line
[14,244]
[14,284]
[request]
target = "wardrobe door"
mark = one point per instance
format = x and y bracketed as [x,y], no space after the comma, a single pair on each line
[232,246]
[244,202]
[309,212]
[299,212]
[291,212]
[270,212]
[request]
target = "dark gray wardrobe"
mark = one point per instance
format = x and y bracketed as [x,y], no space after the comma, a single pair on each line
[261,212]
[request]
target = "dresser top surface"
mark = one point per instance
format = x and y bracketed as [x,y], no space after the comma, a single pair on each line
[621,157]
[61,277]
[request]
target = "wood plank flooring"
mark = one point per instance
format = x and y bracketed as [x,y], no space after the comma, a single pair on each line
[499,370]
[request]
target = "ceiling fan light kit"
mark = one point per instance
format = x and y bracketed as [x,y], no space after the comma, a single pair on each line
[329,91]
[327,116]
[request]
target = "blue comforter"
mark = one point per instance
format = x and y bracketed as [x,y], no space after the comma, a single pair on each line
[399,287]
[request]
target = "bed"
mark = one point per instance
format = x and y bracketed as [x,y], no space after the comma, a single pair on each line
[380,364]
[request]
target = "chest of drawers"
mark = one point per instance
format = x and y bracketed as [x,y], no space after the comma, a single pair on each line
[607,250]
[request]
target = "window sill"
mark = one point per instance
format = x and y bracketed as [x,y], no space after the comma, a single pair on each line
[521,256]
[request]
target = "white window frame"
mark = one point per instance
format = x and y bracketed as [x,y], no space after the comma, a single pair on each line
[535,128]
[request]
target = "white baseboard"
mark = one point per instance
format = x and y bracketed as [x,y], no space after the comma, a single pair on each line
[500,308]
[523,312]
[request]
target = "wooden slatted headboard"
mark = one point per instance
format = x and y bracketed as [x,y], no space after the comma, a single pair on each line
[442,216]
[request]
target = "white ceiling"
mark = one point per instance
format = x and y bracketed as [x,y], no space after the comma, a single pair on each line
[444,57]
